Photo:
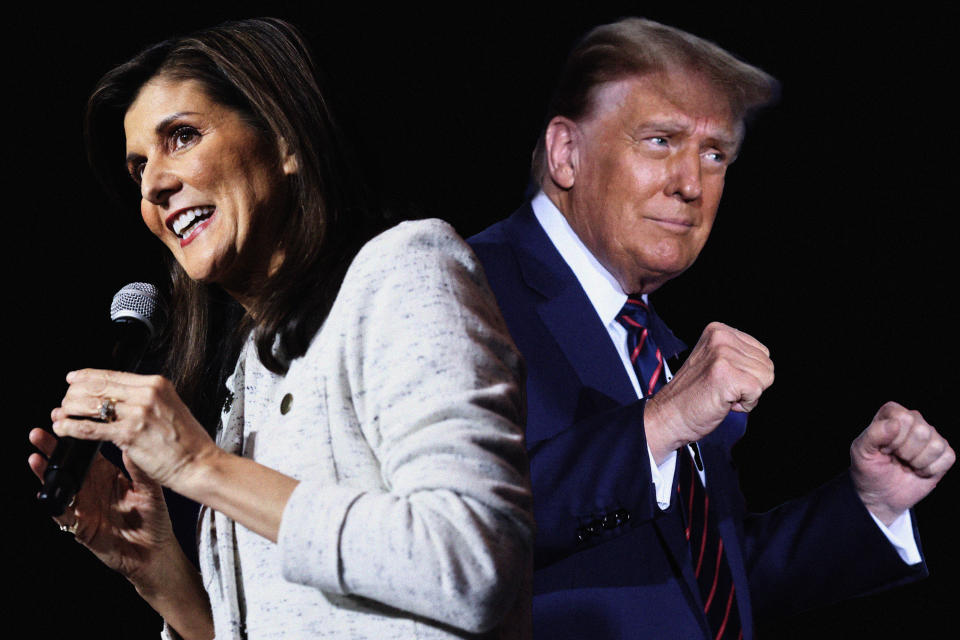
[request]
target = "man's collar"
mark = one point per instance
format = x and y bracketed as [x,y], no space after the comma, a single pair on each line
[602,289]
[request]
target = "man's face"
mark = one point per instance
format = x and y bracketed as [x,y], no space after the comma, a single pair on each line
[647,169]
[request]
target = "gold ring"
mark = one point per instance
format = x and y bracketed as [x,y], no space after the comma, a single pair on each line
[108,410]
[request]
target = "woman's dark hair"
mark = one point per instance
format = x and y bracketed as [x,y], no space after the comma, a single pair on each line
[262,69]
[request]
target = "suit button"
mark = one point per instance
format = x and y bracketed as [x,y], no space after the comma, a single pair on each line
[594,527]
[611,521]
[622,516]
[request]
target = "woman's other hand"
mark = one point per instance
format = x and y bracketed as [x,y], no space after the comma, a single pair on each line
[124,522]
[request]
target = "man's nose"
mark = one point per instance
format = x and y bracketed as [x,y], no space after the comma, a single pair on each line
[158,182]
[686,180]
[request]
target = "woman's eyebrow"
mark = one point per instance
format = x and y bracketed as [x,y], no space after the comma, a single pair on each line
[160,128]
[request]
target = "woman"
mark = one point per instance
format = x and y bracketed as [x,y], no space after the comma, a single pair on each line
[368,478]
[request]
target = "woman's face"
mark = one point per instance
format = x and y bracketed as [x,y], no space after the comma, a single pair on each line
[212,189]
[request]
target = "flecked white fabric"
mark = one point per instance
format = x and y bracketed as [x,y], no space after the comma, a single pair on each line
[413,516]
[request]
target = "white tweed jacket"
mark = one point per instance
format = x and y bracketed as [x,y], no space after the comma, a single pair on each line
[402,423]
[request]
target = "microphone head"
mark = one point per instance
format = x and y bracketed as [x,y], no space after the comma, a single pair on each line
[138,301]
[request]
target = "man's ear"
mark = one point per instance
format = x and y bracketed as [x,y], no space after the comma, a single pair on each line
[560,141]
[288,158]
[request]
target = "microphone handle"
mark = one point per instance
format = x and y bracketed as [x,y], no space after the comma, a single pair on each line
[66,471]
[71,459]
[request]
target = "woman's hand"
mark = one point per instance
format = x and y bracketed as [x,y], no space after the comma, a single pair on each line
[145,418]
[123,522]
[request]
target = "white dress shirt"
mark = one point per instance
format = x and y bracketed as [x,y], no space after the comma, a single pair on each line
[608,297]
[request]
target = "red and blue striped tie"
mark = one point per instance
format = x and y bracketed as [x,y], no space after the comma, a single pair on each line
[706,547]
[644,354]
[710,565]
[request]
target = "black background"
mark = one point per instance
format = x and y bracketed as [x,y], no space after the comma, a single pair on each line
[832,246]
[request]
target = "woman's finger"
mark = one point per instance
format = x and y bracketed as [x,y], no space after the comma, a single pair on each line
[94,378]
[46,442]
[84,429]
[43,440]
[37,464]
[106,409]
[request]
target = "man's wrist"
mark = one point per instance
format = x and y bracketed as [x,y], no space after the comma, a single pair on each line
[656,425]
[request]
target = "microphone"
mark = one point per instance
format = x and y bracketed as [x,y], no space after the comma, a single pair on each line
[135,316]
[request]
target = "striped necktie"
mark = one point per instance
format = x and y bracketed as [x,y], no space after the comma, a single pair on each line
[644,354]
[710,564]
[706,547]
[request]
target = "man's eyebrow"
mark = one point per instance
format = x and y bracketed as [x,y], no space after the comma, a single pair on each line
[661,125]
[732,140]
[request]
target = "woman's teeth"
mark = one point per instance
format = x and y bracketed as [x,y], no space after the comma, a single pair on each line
[189,218]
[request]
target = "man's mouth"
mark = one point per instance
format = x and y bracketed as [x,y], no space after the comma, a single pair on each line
[679,224]
[189,219]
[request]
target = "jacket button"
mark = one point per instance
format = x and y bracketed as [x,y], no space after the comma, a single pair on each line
[286,403]
[594,527]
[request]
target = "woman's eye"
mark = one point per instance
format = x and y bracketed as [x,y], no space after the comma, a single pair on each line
[136,171]
[184,136]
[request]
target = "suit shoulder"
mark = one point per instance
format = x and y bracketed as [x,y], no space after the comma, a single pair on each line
[492,247]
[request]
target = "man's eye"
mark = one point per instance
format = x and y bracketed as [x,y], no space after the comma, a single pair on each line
[715,156]
[660,141]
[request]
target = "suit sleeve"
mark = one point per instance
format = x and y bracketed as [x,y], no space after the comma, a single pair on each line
[435,383]
[819,549]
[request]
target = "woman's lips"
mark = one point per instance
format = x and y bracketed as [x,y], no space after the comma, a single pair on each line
[187,222]
[195,230]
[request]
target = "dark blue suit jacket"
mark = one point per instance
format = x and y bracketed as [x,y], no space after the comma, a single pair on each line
[608,562]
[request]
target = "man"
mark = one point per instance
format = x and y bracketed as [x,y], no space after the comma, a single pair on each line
[631,168]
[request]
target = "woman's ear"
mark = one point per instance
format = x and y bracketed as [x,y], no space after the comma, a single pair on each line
[288,158]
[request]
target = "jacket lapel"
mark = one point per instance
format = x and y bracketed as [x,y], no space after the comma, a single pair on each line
[565,310]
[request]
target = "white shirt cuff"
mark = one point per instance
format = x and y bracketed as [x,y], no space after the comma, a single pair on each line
[900,535]
[662,477]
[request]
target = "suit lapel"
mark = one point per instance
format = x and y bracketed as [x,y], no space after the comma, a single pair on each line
[566,311]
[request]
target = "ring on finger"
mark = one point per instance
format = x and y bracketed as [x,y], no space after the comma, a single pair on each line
[69,528]
[108,409]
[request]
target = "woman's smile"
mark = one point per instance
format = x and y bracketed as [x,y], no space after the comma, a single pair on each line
[188,223]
